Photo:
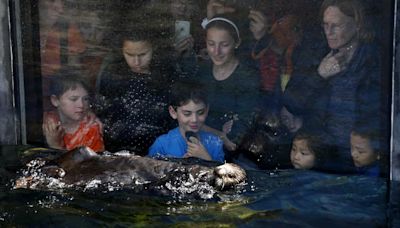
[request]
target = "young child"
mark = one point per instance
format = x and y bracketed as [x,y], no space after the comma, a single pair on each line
[188,105]
[66,128]
[308,150]
[365,151]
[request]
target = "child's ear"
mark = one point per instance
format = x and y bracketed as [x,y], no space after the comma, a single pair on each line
[172,112]
[54,100]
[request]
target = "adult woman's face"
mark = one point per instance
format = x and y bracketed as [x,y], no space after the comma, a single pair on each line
[340,29]
[138,55]
[220,46]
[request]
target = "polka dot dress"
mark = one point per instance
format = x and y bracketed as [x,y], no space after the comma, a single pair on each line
[138,113]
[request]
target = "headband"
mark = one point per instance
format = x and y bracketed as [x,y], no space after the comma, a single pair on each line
[207,22]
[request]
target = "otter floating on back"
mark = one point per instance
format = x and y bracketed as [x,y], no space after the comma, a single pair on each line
[82,168]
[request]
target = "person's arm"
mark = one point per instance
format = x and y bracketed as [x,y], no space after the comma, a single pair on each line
[228,144]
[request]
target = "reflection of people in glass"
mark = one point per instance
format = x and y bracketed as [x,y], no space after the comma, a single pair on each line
[60,41]
[133,91]
[351,70]
[92,24]
[233,87]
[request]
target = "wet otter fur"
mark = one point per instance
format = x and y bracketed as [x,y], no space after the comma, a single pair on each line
[78,167]
[267,143]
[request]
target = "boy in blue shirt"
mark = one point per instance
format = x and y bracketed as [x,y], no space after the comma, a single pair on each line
[189,106]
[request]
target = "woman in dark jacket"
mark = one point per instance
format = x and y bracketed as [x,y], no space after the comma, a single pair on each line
[133,95]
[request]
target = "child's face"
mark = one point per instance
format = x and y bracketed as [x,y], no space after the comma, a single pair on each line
[138,55]
[220,46]
[191,116]
[361,151]
[301,156]
[72,105]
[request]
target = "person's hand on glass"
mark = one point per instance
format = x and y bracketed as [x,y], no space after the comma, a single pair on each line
[259,24]
[54,133]
[215,7]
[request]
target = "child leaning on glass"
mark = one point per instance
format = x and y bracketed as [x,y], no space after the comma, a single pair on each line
[189,106]
[68,126]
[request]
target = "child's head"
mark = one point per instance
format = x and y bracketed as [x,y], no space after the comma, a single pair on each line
[222,39]
[137,48]
[307,150]
[70,95]
[188,105]
[365,146]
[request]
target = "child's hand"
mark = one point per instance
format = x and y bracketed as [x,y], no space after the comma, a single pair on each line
[196,149]
[227,127]
[54,133]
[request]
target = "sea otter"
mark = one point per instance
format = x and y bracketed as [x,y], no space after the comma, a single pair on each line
[82,167]
[267,143]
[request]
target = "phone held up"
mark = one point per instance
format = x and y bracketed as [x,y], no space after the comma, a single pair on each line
[182,30]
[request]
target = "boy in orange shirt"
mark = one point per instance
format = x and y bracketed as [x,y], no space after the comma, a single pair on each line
[66,128]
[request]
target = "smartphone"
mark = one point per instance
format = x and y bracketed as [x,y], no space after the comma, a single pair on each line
[182,30]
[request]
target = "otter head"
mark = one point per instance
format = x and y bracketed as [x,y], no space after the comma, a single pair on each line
[228,175]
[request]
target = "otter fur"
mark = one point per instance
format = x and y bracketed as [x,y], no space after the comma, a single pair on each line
[267,143]
[78,167]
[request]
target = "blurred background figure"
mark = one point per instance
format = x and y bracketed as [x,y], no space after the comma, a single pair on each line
[61,43]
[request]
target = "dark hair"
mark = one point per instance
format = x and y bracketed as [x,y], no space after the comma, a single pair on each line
[135,34]
[356,10]
[370,133]
[184,91]
[67,79]
[322,150]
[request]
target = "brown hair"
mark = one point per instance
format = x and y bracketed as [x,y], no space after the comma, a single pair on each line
[356,10]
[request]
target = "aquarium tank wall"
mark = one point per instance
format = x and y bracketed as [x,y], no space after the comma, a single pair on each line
[277,74]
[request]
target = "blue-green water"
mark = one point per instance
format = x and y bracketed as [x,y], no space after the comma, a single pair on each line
[278,199]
